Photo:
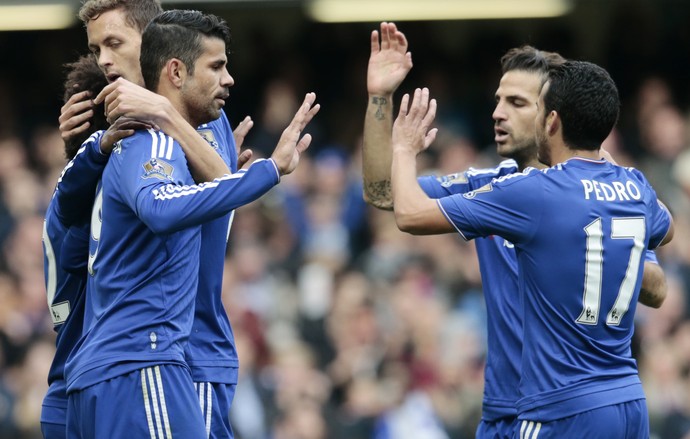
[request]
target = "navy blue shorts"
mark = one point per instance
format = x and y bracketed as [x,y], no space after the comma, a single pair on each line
[628,420]
[503,428]
[215,400]
[155,402]
[54,418]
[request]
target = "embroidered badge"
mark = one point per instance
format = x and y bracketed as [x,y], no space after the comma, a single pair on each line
[209,137]
[157,168]
[449,180]
[472,194]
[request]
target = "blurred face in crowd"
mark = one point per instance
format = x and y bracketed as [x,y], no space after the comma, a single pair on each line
[205,90]
[516,109]
[116,46]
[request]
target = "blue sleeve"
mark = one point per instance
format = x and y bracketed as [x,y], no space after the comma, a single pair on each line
[157,185]
[650,256]
[462,182]
[76,187]
[659,218]
[74,252]
[509,208]
[661,223]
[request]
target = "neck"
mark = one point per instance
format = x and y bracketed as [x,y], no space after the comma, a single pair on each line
[570,153]
[532,162]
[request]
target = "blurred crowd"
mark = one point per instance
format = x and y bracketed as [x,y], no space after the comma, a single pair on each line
[346,327]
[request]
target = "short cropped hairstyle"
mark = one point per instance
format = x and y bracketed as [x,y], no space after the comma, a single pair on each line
[177,34]
[530,59]
[82,75]
[138,13]
[586,99]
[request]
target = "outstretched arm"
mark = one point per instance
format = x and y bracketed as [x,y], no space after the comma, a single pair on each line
[415,212]
[389,64]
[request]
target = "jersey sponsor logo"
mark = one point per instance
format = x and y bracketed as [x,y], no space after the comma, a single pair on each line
[450,180]
[611,191]
[59,312]
[118,147]
[209,137]
[486,188]
[157,168]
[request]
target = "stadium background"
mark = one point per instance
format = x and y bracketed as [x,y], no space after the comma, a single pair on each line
[348,328]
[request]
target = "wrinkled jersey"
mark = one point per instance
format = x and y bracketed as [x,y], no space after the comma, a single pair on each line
[580,230]
[498,267]
[144,255]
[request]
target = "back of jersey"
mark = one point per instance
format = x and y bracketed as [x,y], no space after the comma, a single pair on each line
[581,271]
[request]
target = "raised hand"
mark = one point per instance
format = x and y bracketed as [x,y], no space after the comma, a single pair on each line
[124,98]
[239,134]
[290,146]
[121,128]
[412,128]
[389,61]
[75,115]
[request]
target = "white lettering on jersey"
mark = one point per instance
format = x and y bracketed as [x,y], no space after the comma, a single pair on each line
[614,191]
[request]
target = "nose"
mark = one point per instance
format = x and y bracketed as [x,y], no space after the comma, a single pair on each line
[104,59]
[498,113]
[227,80]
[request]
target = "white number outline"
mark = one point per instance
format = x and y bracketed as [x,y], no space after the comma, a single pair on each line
[96,226]
[51,285]
[632,228]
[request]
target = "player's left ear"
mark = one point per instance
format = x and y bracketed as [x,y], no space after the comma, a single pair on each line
[176,71]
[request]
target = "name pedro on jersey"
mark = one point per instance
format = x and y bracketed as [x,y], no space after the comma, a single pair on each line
[611,191]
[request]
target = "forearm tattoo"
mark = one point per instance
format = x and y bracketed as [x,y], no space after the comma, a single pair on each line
[379,101]
[379,194]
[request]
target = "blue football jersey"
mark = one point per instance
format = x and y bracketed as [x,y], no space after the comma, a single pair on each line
[498,267]
[66,225]
[580,230]
[211,352]
[144,255]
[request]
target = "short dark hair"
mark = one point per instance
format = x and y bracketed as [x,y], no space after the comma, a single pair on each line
[177,34]
[138,13]
[82,75]
[587,101]
[530,59]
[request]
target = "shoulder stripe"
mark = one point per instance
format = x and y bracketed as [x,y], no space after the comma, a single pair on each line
[168,154]
[162,145]
[154,142]
[92,138]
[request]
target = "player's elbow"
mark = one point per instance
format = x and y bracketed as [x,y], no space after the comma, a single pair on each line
[161,224]
[377,202]
[407,221]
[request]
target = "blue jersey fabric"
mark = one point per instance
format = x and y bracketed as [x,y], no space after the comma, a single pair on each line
[66,225]
[498,267]
[580,230]
[211,352]
[144,255]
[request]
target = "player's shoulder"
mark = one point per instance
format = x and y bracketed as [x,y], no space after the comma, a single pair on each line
[150,142]
[528,175]
[221,123]
[476,177]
